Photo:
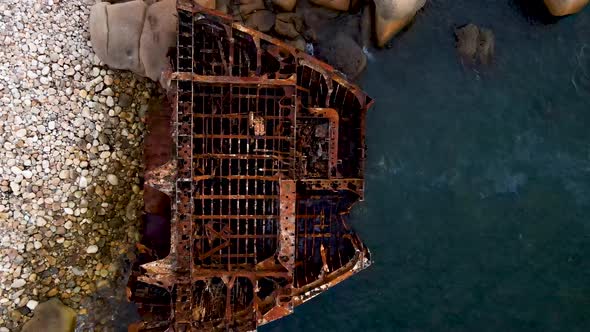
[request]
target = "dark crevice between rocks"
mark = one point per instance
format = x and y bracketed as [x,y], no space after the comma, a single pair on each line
[534,11]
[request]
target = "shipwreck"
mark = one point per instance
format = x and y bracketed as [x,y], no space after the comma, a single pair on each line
[252,167]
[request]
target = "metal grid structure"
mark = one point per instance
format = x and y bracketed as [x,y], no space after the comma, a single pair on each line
[269,154]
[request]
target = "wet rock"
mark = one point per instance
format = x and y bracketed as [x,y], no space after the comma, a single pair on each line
[51,316]
[124,100]
[475,44]
[343,53]
[115,30]
[467,39]
[159,34]
[299,43]
[288,25]
[261,20]
[565,7]
[333,4]
[391,16]
[487,42]
[249,6]
[286,5]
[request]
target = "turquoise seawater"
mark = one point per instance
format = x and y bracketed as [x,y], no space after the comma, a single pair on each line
[477,208]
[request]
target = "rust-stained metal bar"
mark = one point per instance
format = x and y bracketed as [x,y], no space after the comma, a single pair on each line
[269,159]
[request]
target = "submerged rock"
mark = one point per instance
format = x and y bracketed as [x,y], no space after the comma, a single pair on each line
[475,44]
[565,7]
[342,52]
[51,316]
[391,16]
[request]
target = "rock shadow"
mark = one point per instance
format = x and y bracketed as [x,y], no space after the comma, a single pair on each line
[534,11]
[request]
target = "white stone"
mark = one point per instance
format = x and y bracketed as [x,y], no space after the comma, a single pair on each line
[83,182]
[64,174]
[113,180]
[92,249]
[27,174]
[16,170]
[107,92]
[21,133]
[32,304]
[18,283]
[68,211]
[41,221]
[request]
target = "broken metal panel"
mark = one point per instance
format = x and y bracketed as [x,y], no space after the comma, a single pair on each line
[269,159]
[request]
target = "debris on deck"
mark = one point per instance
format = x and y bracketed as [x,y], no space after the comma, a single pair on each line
[265,161]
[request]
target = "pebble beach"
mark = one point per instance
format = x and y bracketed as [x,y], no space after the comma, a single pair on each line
[70,160]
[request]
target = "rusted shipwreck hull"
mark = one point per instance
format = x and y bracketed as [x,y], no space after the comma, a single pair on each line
[254,172]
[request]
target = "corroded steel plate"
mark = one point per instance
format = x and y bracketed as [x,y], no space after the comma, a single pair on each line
[249,181]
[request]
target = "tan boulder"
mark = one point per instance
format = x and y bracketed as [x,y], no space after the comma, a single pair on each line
[115,30]
[51,316]
[286,5]
[565,7]
[342,5]
[158,36]
[391,16]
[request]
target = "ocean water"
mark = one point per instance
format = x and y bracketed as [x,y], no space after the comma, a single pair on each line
[477,208]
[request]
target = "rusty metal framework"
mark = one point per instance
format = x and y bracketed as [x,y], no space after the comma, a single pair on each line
[268,158]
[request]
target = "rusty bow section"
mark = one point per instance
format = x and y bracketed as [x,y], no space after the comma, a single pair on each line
[267,160]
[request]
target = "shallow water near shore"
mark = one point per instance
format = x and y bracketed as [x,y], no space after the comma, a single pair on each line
[477,208]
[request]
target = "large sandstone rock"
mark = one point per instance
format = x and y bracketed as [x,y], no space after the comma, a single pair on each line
[475,44]
[391,16]
[132,36]
[565,7]
[115,30]
[51,316]
[159,34]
